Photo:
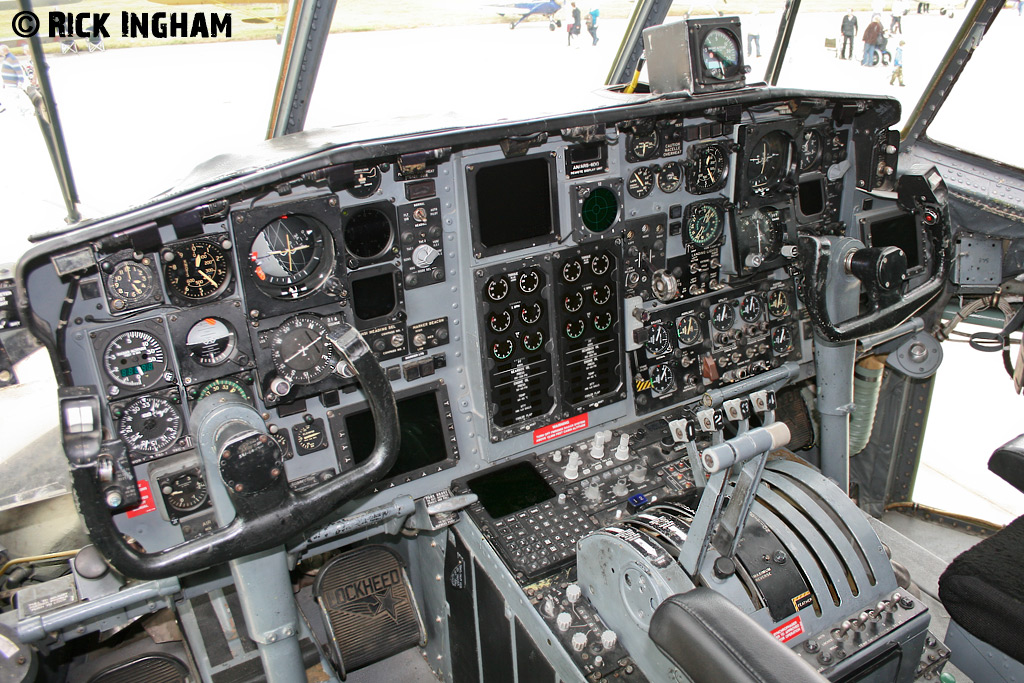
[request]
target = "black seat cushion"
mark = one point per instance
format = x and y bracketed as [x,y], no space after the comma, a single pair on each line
[983,590]
[1008,462]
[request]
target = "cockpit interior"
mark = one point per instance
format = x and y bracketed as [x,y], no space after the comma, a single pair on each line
[617,393]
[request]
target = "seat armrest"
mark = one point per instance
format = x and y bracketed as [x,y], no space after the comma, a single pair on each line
[713,641]
[1008,462]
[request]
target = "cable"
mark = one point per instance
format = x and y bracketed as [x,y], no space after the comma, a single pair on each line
[38,558]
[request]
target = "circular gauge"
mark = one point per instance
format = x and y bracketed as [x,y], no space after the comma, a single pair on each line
[751,308]
[723,316]
[778,303]
[150,424]
[704,225]
[573,302]
[197,270]
[663,380]
[601,294]
[135,359]
[367,233]
[532,341]
[531,313]
[599,210]
[574,329]
[763,231]
[670,177]
[300,351]
[367,181]
[503,349]
[782,340]
[529,281]
[602,321]
[641,182]
[211,341]
[572,270]
[600,264]
[768,162]
[185,491]
[721,54]
[708,168]
[810,149]
[500,322]
[688,329]
[497,288]
[659,340]
[131,282]
[223,384]
[292,256]
[644,147]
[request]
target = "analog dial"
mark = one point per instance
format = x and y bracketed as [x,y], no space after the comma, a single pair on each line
[600,264]
[197,270]
[501,321]
[532,341]
[601,294]
[751,308]
[602,321]
[782,340]
[764,232]
[503,349]
[768,163]
[670,177]
[572,270]
[658,340]
[292,256]
[645,146]
[150,424]
[300,350]
[135,359]
[641,182]
[663,380]
[707,168]
[185,491]
[810,150]
[531,313]
[367,180]
[529,281]
[574,329]
[721,55]
[705,224]
[497,288]
[131,281]
[211,341]
[574,301]
[688,329]
[723,316]
[224,384]
[778,303]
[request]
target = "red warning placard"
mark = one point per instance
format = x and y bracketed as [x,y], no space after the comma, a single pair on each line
[146,504]
[790,630]
[560,429]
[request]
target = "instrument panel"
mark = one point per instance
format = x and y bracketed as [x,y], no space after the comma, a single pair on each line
[517,289]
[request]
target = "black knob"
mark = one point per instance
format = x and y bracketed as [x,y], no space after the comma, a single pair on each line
[723,568]
[882,267]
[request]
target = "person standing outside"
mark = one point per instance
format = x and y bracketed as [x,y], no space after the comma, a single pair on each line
[11,71]
[899,8]
[849,30]
[574,27]
[897,63]
[871,35]
[754,33]
[591,22]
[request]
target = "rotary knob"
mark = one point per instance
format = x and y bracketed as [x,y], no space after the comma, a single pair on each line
[424,255]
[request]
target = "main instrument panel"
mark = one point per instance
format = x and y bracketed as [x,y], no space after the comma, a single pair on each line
[525,288]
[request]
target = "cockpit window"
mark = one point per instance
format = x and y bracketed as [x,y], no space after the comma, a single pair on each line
[891,49]
[986,134]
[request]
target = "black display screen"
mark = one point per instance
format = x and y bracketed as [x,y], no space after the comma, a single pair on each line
[899,231]
[513,201]
[510,489]
[373,297]
[811,194]
[423,434]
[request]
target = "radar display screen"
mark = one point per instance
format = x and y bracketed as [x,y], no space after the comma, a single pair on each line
[422,433]
[511,489]
[898,231]
[513,202]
